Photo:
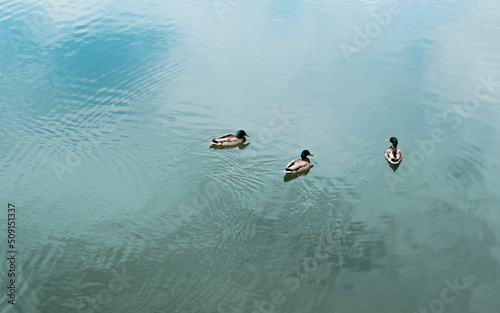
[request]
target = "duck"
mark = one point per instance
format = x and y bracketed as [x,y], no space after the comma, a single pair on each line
[393,155]
[299,165]
[230,139]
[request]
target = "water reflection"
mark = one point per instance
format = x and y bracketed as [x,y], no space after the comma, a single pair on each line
[118,103]
[240,146]
[393,166]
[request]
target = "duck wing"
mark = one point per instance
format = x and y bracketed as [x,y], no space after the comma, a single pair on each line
[225,139]
[295,165]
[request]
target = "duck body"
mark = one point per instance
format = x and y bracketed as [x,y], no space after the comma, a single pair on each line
[299,165]
[230,139]
[393,155]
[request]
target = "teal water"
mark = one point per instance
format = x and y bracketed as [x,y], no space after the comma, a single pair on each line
[106,109]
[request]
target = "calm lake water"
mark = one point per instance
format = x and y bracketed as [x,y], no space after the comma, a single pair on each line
[107,107]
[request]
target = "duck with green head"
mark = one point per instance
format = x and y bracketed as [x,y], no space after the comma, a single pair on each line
[230,139]
[299,165]
[393,155]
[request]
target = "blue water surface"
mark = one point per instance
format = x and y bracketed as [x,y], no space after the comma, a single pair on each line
[107,107]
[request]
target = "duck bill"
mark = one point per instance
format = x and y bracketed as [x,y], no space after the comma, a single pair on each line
[311,154]
[387,140]
[247,135]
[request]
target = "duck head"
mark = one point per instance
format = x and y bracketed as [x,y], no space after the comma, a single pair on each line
[241,133]
[304,154]
[394,141]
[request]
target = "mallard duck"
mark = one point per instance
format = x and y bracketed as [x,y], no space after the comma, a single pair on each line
[393,155]
[230,139]
[299,165]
